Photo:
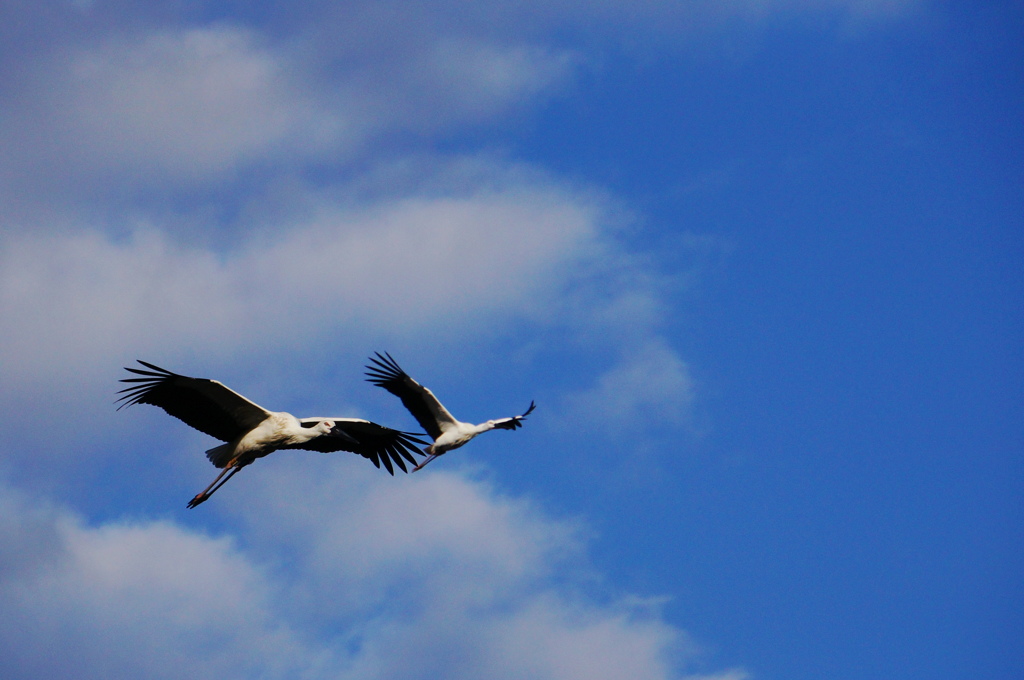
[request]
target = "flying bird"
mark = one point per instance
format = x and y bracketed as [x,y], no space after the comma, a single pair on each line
[251,431]
[447,432]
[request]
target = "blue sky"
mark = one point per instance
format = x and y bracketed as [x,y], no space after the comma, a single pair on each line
[759,264]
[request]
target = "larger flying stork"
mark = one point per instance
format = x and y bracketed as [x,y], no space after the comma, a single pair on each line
[447,432]
[250,431]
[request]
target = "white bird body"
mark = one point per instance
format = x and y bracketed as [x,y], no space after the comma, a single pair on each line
[447,432]
[456,434]
[251,431]
[278,430]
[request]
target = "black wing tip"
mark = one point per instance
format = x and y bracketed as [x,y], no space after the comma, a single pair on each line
[396,456]
[383,369]
[150,379]
[515,422]
[153,369]
[404,448]
[386,459]
[394,450]
[405,453]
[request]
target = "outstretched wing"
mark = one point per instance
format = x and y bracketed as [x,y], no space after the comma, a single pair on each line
[369,440]
[206,405]
[515,421]
[421,402]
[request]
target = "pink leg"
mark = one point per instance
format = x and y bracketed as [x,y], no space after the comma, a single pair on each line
[208,491]
[429,458]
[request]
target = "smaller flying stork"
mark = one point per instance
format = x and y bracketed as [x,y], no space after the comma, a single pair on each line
[250,431]
[447,432]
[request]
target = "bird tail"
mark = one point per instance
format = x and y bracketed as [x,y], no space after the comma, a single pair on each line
[220,455]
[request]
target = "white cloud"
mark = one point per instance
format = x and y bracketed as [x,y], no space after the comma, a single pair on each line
[424,264]
[459,80]
[121,601]
[149,99]
[433,577]
[183,105]
[650,385]
[560,641]
[190,104]
[173,109]
[421,262]
[81,300]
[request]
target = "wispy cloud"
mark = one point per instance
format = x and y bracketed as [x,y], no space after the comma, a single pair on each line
[417,264]
[435,577]
[170,108]
[650,385]
[115,92]
[144,600]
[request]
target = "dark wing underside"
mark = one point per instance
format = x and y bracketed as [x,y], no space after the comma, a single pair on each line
[376,442]
[206,405]
[420,402]
[515,421]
